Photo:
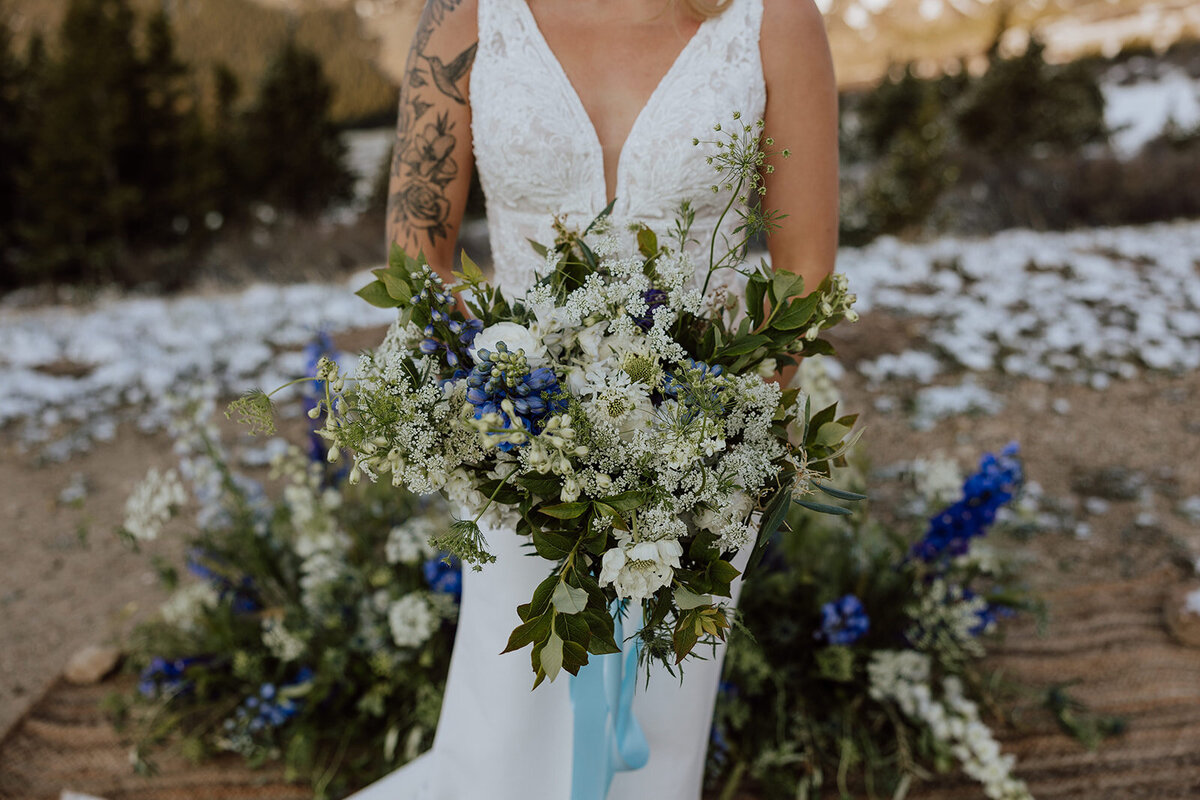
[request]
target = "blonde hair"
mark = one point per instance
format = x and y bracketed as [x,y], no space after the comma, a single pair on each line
[703,9]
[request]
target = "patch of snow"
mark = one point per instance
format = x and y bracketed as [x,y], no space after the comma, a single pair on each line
[130,353]
[935,403]
[1088,305]
[911,365]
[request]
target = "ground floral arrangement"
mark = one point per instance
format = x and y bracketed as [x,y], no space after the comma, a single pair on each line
[618,415]
[312,628]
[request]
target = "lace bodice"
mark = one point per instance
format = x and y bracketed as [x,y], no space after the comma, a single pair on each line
[538,154]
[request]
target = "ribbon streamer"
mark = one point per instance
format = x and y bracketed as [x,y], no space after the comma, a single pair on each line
[608,738]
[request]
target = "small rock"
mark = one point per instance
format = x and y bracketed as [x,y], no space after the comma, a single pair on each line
[1109,483]
[76,490]
[91,664]
[1189,509]
[1182,613]
[1095,506]
[1061,406]
[1146,519]
[1083,532]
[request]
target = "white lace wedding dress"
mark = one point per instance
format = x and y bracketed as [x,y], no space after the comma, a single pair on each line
[538,155]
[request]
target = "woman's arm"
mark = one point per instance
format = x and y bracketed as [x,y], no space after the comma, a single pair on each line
[432,158]
[802,116]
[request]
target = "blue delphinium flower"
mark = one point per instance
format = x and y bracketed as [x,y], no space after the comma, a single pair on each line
[242,593]
[951,530]
[163,675]
[443,577]
[503,375]
[655,298]
[844,621]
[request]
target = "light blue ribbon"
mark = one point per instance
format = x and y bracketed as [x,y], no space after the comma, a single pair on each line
[608,738]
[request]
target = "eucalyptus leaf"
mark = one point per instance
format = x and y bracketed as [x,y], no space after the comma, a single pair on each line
[686,599]
[551,657]
[568,599]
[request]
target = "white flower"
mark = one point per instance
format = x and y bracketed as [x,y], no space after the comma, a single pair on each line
[639,569]
[153,503]
[282,643]
[408,542]
[515,337]
[183,609]
[411,620]
[766,368]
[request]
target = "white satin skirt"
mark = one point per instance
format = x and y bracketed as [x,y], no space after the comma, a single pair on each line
[498,740]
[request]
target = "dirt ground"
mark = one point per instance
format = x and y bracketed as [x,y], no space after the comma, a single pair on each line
[66,581]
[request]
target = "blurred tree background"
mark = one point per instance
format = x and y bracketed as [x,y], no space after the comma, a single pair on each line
[108,151]
[140,138]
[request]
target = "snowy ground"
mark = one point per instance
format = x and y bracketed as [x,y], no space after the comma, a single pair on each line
[1082,307]
[96,366]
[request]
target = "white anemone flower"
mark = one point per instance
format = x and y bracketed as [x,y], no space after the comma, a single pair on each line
[639,569]
[515,337]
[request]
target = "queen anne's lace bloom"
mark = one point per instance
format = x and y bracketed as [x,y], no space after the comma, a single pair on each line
[152,504]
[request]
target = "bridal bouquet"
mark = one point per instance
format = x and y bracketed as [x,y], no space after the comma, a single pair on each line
[618,416]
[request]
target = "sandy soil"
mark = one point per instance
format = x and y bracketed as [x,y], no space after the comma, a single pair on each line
[66,581]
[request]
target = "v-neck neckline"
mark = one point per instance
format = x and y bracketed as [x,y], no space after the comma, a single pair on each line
[618,196]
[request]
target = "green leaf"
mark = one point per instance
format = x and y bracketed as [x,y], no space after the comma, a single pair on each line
[575,655]
[722,572]
[399,260]
[685,637]
[840,494]
[542,595]
[568,599]
[551,657]
[397,288]
[535,630]
[647,242]
[544,486]
[742,346]
[552,546]
[756,289]
[626,501]
[822,508]
[600,623]
[377,295]
[566,510]
[796,315]
[470,269]
[538,247]
[686,599]
[830,434]
[785,284]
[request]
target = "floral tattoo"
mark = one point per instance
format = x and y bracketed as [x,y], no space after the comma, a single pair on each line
[423,154]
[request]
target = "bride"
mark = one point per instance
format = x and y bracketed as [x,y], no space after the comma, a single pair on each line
[563,106]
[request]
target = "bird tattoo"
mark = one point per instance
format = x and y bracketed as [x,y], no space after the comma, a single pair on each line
[447,76]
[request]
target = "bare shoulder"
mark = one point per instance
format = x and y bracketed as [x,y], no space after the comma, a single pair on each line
[793,39]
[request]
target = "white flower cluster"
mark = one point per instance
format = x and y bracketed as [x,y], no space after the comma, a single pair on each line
[280,642]
[186,605]
[903,678]
[152,504]
[938,479]
[949,621]
[616,405]
[408,542]
[412,620]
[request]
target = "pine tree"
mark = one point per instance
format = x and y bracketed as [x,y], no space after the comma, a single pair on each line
[172,131]
[295,158]
[84,167]
[14,148]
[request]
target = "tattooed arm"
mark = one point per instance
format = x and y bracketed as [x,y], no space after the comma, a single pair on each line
[431,157]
